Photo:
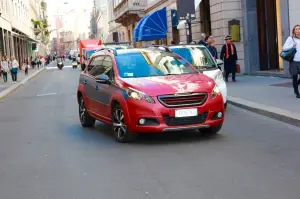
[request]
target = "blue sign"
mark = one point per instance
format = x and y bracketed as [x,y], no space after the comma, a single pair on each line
[174,18]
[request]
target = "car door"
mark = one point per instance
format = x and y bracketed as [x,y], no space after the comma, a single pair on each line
[92,71]
[104,91]
[86,81]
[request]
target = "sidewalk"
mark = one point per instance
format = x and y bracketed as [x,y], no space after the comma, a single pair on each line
[8,87]
[21,77]
[270,96]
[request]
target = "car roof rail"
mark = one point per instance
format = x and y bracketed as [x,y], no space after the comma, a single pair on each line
[111,50]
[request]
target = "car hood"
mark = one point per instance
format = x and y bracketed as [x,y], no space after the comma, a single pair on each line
[163,85]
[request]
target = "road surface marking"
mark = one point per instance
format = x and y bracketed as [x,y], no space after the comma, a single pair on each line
[46,94]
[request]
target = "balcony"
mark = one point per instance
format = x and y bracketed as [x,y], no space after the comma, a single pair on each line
[128,11]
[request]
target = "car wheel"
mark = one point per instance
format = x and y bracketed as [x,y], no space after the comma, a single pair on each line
[85,119]
[212,130]
[120,129]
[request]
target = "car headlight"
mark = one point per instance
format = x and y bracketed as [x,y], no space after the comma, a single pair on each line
[138,95]
[215,92]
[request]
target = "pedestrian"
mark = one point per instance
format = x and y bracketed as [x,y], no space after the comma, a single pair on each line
[42,60]
[5,68]
[294,41]
[202,40]
[229,56]
[212,49]
[37,62]
[25,66]
[14,69]
[32,62]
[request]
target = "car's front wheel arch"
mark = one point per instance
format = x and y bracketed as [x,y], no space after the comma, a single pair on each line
[79,96]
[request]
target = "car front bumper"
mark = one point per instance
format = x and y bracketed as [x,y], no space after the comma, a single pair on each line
[160,116]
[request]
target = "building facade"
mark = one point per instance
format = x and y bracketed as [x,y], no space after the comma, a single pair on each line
[16,31]
[67,41]
[259,27]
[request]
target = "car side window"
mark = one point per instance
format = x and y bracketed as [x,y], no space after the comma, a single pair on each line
[97,66]
[107,66]
[90,66]
[112,75]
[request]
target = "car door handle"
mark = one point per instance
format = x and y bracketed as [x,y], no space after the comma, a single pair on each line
[85,82]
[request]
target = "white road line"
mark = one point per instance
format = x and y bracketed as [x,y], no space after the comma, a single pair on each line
[46,94]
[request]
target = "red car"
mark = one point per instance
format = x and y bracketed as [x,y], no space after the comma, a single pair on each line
[147,90]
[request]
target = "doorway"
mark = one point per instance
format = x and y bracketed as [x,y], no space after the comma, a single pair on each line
[205,22]
[175,35]
[267,34]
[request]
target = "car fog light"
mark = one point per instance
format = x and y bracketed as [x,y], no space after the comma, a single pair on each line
[142,121]
[220,114]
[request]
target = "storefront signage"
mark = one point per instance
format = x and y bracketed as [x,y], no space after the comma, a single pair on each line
[234,30]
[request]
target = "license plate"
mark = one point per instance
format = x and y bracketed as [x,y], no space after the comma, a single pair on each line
[186,112]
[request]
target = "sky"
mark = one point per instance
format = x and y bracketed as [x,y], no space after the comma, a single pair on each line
[70,11]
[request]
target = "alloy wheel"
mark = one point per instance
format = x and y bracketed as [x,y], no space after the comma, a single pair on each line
[82,111]
[119,126]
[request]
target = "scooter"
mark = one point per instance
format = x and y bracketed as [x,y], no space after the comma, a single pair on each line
[60,65]
[74,64]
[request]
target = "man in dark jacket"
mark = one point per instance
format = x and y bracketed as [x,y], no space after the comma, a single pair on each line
[229,56]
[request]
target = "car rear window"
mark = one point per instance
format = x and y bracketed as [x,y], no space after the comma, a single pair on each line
[197,56]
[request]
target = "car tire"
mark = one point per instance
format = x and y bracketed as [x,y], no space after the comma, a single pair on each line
[225,106]
[120,129]
[211,130]
[85,119]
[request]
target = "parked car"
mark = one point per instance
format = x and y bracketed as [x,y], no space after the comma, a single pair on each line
[147,90]
[200,57]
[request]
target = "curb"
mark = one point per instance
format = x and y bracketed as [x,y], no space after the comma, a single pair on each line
[13,88]
[268,111]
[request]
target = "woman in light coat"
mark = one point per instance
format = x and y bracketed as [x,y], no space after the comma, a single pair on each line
[14,69]
[291,42]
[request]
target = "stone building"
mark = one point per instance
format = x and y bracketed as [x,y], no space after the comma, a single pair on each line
[263,26]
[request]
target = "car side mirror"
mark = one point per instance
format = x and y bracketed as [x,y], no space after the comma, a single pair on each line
[219,62]
[102,79]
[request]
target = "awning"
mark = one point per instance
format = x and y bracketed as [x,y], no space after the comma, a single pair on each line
[151,27]
[136,30]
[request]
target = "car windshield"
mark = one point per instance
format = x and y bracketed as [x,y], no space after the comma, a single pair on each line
[148,64]
[197,56]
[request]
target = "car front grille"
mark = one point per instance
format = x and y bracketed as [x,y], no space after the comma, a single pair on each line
[173,121]
[191,99]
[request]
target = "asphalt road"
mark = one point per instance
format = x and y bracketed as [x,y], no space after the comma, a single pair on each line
[46,154]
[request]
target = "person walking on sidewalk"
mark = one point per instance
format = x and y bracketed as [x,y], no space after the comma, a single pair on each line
[25,66]
[14,69]
[294,41]
[5,68]
[229,56]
